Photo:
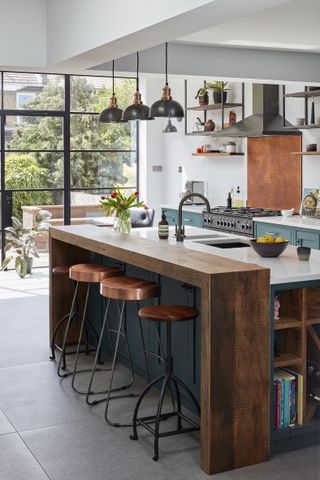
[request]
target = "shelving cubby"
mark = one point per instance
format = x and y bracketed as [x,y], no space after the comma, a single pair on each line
[297,337]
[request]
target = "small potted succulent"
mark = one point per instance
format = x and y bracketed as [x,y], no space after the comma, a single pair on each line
[202,95]
[217,88]
[21,242]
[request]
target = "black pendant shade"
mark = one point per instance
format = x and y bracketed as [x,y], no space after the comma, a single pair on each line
[137,111]
[166,107]
[111,114]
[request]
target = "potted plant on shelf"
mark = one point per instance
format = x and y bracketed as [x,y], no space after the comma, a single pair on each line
[217,88]
[119,205]
[202,95]
[21,241]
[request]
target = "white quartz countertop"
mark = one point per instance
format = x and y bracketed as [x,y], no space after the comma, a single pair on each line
[294,221]
[186,207]
[284,269]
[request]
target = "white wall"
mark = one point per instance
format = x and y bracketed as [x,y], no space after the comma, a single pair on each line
[220,172]
[23,30]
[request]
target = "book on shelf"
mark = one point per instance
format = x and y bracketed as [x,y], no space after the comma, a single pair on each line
[287,399]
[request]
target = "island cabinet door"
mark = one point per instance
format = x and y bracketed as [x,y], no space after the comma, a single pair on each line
[305,238]
[172,216]
[261,229]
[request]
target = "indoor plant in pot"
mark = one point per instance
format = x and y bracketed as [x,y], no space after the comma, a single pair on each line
[21,242]
[118,204]
[202,95]
[217,88]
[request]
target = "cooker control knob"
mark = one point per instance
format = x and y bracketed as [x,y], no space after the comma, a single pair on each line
[232,225]
[218,222]
[209,221]
[229,224]
[205,220]
[243,226]
[225,223]
[247,226]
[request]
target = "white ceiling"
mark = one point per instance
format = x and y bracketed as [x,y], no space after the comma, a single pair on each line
[293,26]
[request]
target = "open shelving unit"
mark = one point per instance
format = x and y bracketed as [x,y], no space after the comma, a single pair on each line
[306,94]
[297,336]
[211,107]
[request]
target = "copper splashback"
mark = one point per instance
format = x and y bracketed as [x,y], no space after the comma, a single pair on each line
[274,174]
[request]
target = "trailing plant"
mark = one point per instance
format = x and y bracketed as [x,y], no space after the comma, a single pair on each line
[21,241]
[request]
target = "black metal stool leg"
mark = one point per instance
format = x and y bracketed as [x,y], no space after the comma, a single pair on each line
[143,344]
[178,396]
[146,390]
[114,360]
[157,424]
[187,389]
[66,332]
[55,332]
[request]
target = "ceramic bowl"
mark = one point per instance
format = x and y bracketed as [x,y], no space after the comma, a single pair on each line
[268,249]
[287,213]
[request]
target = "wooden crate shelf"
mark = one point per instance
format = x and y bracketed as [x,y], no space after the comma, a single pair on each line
[213,106]
[217,154]
[287,360]
[306,153]
[313,321]
[287,322]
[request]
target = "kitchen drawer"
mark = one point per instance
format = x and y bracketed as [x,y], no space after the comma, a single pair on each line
[263,228]
[307,238]
[192,219]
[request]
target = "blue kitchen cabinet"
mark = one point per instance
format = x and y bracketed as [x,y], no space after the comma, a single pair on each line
[261,229]
[194,219]
[307,238]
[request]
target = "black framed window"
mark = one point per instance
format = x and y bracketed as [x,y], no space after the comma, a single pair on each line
[55,153]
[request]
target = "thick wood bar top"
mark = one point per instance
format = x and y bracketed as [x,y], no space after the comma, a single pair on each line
[234,328]
[157,256]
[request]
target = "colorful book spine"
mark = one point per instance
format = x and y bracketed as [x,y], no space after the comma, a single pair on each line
[285,399]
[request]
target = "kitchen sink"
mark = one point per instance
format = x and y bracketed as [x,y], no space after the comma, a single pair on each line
[225,243]
[199,237]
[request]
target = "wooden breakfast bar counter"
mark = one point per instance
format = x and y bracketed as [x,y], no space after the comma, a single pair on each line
[234,326]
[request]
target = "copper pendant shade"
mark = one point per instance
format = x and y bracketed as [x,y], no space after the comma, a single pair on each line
[166,107]
[137,111]
[111,114]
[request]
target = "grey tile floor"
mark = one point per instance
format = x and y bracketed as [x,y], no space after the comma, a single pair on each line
[47,431]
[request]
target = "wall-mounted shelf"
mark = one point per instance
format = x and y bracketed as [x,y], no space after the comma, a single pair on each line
[214,106]
[303,127]
[200,133]
[305,94]
[219,107]
[306,153]
[217,154]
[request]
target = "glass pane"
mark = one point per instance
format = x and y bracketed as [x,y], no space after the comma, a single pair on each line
[33,170]
[33,91]
[91,94]
[33,133]
[86,133]
[103,169]
[26,205]
[85,205]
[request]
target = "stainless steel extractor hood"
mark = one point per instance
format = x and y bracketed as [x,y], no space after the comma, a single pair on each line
[265,119]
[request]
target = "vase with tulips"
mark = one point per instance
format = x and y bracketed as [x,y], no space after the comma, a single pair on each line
[119,205]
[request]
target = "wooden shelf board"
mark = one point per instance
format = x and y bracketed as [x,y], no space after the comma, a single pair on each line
[303,127]
[287,359]
[217,154]
[287,322]
[213,106]
[306,153]
[312,321]
[200,134]
[312,93]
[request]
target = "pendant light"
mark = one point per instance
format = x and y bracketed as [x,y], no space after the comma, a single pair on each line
[166,107]
[111,114]
[170,128]
[137,111]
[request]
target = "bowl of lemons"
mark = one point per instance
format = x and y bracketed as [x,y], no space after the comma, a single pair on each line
[269,245]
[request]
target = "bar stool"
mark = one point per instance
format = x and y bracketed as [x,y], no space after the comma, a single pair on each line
[83,273]
[168,314]
[122,289]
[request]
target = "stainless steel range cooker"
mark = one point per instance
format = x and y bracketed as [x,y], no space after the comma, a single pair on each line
[235,220]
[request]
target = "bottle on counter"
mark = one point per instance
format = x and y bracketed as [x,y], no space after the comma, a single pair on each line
[229,200]
[238,202]
[163,227]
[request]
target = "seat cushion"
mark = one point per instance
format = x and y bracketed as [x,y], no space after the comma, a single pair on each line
[129,288]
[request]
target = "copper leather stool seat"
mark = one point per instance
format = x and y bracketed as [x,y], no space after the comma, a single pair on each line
[88,273]
[169,314]
[61,270]
[123,289]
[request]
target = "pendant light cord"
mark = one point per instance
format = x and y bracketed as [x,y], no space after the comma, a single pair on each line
[113,77]
[166,62]
[137,71]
